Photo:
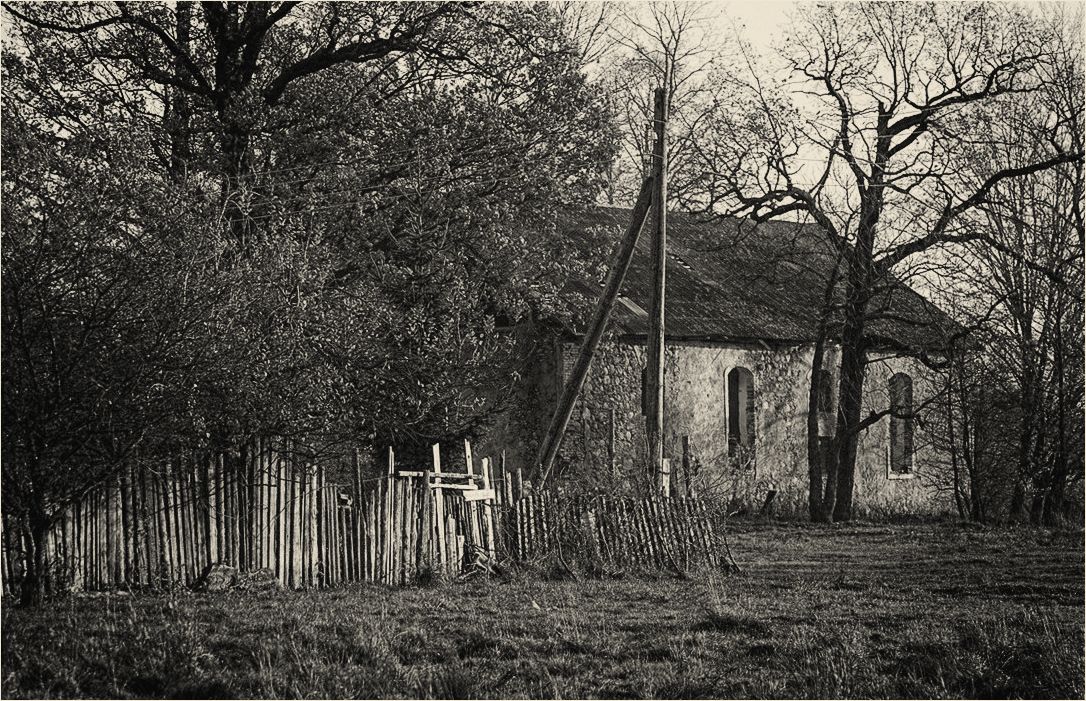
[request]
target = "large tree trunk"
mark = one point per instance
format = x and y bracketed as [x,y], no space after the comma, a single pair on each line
[234,71]
[853,346]
[1054,503]
[978,489]
[820,461]
[959,501]
[830,465]
[237,181]
[1037,507]
[850,393]
[36,578]
[1016,512]
[1053,516]
[178,112]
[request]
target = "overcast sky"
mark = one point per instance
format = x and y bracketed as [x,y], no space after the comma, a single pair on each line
[760,22]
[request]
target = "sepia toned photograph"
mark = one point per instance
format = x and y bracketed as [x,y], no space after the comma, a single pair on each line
[542,349]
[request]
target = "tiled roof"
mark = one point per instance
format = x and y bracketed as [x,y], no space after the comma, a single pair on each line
[730,279]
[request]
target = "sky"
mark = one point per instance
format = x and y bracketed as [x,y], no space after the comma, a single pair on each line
[760,22]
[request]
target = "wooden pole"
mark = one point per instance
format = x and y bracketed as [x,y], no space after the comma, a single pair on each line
[322,534]
[371,533]
[451,563]
[154,532]
[252,528]
[390,539]
[188,502]
[407,509]
[215,498]
[395,531]
[314,557]
[241,549]
[358,514]
[506,501]
[414,527]
[367,514]
[426,525]
[357,532]
[112,541]
[382,522]
[297,523]
[655,374]
[270,519]
[248,510]
[342,528]
[169,534]
[488,513]
[557,428]
[277,542]
[291,580]
[471,511]
[256,510]
[439,509]
[126,527]
[74,553]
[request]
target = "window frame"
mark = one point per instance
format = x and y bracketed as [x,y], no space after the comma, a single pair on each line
[747,414]
[910,457]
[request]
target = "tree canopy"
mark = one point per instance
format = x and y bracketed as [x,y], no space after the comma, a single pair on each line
[231,219]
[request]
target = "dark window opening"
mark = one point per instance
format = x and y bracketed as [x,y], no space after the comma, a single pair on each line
[901,424]
[740,383]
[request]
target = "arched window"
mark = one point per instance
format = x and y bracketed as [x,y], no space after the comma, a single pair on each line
[740,411]
[901,423]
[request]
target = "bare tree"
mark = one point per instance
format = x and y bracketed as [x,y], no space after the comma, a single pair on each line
[1034,282]
[588,27]
[887,102]
[658,44]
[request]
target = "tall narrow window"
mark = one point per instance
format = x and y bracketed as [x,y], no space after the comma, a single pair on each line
[740,412]
[901,424]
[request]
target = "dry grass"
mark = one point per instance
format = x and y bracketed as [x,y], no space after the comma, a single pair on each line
[861,611]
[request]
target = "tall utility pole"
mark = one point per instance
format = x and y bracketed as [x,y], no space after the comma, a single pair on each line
[655,370]
[594,334]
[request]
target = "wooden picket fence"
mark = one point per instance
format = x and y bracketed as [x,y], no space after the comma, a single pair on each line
[663,533]
[163,528]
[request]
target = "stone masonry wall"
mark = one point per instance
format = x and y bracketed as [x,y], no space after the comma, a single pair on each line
[605,443]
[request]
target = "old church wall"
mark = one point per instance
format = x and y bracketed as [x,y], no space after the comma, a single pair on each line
[605,444]
[518,430]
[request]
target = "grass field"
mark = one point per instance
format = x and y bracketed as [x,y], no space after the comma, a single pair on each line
[861,611]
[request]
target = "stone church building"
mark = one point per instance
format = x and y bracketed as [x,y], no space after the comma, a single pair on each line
[743,302]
